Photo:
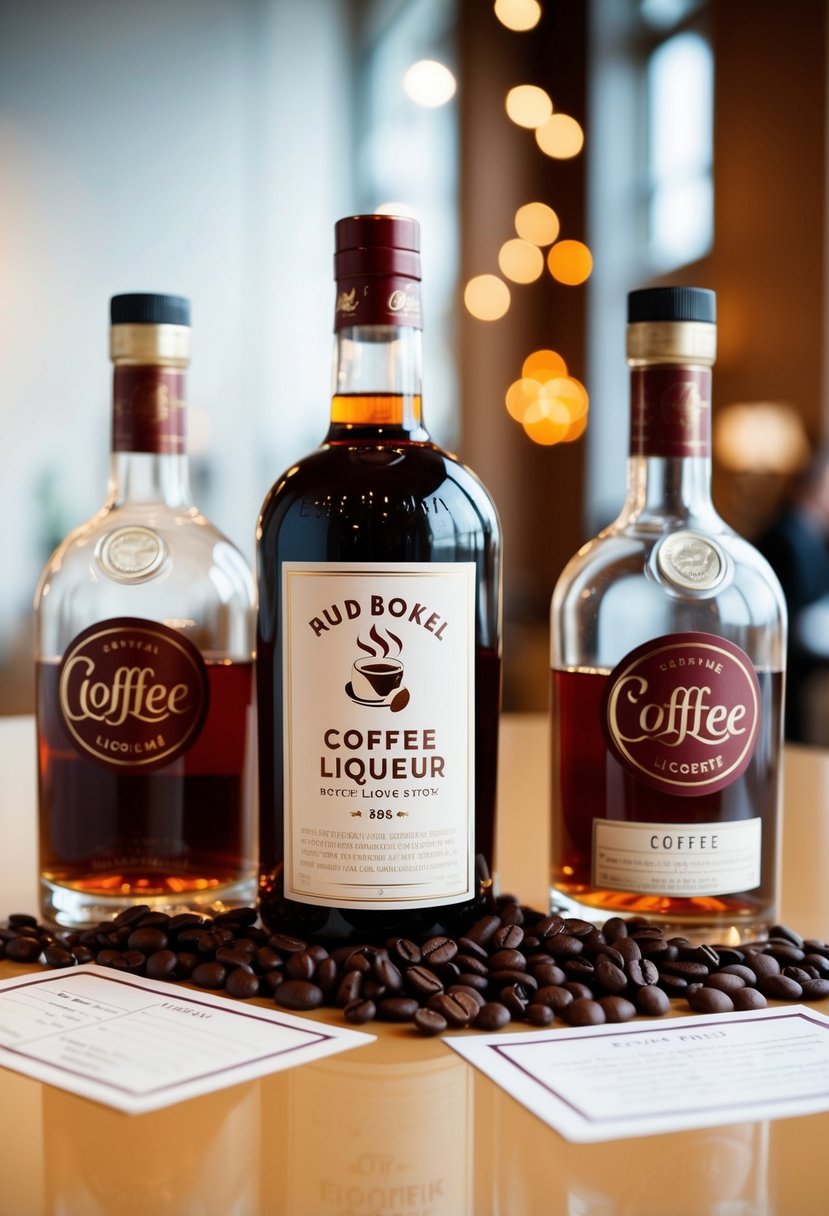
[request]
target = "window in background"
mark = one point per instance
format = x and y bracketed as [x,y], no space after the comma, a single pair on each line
[406,161]
[680,86]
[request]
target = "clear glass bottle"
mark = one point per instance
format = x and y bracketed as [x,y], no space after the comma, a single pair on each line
[144,637]
[378,647]
[667,656]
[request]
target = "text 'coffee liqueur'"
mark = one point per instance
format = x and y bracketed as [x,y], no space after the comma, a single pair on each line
[668,642]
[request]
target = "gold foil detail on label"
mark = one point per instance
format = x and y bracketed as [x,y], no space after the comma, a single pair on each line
[132,554]
[690,561]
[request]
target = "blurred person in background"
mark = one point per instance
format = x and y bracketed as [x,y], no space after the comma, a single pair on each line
[796,544]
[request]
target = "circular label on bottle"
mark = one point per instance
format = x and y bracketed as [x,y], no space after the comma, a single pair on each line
[690,561]
[682,713]
[131,554]
[133,694]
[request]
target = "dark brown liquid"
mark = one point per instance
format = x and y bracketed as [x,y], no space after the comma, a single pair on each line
[589,783]
[183,828]
[393,500]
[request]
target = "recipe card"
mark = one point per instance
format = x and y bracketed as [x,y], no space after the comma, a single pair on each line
[139,1044]
[611,1082]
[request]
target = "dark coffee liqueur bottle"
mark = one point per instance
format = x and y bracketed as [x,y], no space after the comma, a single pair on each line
[668,644]
[145,626]
[379,639]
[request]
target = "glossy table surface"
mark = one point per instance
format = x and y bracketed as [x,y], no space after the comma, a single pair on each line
[403,1126]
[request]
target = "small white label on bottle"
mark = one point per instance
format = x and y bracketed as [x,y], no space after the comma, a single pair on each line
[379,669]
[687,860]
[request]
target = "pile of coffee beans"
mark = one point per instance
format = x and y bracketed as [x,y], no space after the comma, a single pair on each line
[513,965]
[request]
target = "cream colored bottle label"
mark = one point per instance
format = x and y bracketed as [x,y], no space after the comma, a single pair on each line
[379,733]
[688,860]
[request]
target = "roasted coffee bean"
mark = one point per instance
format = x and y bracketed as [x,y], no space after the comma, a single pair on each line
[269,981]
[429,1022]
[687,970]
[710,1000]
[59,956]
[387,974]
[785,953]
[438,950]
[372,989]
[492,1016]
[122,960]
[162,965]
[127,916]
[155,920]
[479,982]
[674,985]
[475,995]
[405,952]
[350,988]
[213,940]
[359,1012]
[780,988]
[584,1012]
[242,983]
[458,1008]
[564,945]
[512,914]
[762,964]
[183,920]
[298,994]
[502,979]
[147,939]
[232,956]
[508,937]
[471,965]
[300,966]
[482,931]
[266,958]
[617,1008]
[580,969]
[554,996]
[422,982]
[209,975]
[610,978]
[613,929]
[577,927]
[814,989]
[609,954]
[745,973]
[798,973]
[786,934]
[748,998]
[726,982]
[548,926]
[187,963]
[447,972]
[237,916]
[577,991]
[397,1009]
[629,948]
[652,1001]
[642,972]
[285,944]
[539,1015]
[467,946]
[548,973]
[83,954]
[516,999]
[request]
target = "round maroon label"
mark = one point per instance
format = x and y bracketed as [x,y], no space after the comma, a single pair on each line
[682,713]
[133,693]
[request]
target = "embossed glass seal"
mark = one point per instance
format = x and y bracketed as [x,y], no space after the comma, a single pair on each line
[690,561]
[132,553]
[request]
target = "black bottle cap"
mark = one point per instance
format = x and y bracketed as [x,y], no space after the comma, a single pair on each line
[672,304]
[147,308]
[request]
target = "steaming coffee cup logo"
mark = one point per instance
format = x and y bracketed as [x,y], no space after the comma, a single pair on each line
[377,675]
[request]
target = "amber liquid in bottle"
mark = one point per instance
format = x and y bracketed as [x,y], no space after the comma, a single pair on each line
[378,495]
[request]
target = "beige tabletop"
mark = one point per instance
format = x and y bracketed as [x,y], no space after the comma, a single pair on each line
[402,1126]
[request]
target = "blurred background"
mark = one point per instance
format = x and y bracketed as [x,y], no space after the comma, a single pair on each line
[557,153]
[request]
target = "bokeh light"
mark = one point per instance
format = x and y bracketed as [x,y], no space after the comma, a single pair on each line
[551,406]
[528,105]
[560,136]
[429,83]
[487,297]
[570,262]
[538,223]
[518,15]
[543,365]
[521,261]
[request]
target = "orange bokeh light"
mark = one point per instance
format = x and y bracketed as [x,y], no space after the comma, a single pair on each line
[560,137]
[544,365]
[570,262]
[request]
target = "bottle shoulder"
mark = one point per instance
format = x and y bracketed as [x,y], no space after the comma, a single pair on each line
[382,480]
[150,561]
[628,585]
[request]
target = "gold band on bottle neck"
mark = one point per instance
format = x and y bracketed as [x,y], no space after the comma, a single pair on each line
[672,342]
[165,345]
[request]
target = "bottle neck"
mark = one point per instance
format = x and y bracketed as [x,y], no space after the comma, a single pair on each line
[669,463]
[149,453]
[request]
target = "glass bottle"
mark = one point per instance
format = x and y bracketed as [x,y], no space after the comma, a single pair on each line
[667,656]
[144,637]
[378,638]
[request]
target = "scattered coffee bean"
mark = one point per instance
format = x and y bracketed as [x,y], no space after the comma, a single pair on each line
[429,1022]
